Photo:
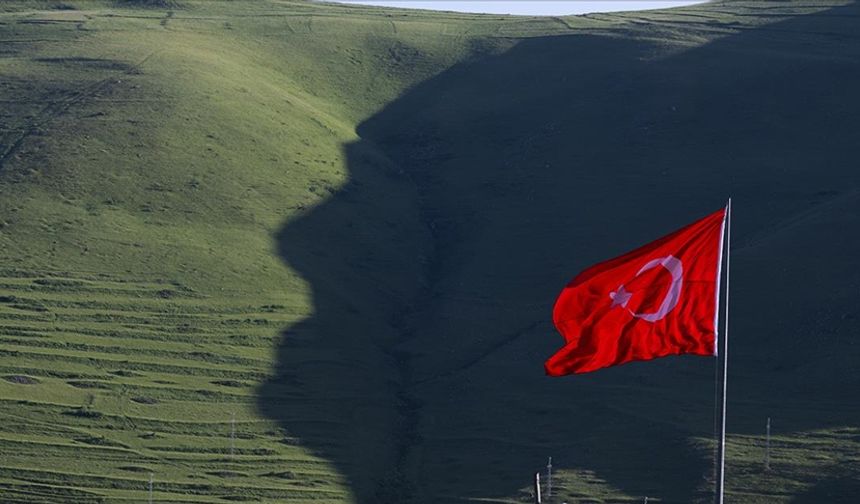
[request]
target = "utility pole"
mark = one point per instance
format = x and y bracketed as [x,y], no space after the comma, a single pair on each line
[150,488]
[767,446]
[549,478]
[232,434]
[537,488]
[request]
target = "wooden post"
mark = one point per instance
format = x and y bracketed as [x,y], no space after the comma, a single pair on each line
[537,488]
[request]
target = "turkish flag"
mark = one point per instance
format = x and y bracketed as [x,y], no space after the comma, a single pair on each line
[658,300]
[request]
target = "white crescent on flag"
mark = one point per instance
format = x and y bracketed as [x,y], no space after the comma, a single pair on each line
[674,266]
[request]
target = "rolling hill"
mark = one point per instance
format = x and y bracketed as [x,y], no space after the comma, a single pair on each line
[285,251]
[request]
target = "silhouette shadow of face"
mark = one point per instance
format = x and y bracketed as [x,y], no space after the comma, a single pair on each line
[476,195]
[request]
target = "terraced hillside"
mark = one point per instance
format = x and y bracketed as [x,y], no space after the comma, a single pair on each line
[283,251]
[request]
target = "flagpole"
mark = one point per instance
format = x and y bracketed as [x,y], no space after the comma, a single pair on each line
[721,482]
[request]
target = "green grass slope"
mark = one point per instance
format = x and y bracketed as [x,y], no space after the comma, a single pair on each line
[280,251]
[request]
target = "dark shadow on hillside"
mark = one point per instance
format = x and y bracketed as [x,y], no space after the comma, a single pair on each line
[426,347]
[833,488]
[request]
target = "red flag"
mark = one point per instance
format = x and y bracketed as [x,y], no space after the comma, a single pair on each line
[658,300]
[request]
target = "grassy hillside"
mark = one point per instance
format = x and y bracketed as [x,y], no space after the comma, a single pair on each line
[280,251]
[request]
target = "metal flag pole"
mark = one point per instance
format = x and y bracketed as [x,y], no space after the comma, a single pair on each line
[721,481]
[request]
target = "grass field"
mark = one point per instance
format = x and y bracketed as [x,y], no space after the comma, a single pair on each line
[284,251]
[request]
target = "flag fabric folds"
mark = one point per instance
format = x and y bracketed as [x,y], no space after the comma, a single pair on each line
[658,300]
